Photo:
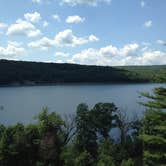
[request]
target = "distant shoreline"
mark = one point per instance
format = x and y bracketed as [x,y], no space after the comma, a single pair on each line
[80,83]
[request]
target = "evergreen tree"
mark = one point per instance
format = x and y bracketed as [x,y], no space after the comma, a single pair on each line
[154,128]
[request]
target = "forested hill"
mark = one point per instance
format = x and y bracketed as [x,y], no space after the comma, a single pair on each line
[155,73]
[32,73]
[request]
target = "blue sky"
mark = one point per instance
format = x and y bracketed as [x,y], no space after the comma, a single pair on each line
[98,32]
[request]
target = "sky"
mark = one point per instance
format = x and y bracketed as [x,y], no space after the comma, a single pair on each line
[92,32]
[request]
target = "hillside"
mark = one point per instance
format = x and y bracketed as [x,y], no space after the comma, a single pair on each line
[30,73]
[156,73]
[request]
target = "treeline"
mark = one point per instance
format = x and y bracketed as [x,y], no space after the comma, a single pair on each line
[85,139]
[31,73]
[155,73]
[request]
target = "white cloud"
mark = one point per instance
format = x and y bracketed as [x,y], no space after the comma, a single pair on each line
[152,58]
[36,1]
[23,28]
[129,49]
[64,38]
[45,24]
[33,17]
[67,38]
[161,42]
[143,4]
[84,2]
[56,17]
[3,25]
[43,1]
[13,49]
[59,61]
[109,50]
[148,24]
[130,54]
[14,43]
[75,19]
[42,44]
[93,38]
[75,2]
[61,54]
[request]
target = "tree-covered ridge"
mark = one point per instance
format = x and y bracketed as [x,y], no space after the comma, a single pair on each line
[85,140]
[156,73]
[29,73]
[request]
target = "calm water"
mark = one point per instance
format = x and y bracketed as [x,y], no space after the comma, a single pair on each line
[21,104]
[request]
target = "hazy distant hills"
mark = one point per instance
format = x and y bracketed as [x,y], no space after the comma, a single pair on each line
[32,73]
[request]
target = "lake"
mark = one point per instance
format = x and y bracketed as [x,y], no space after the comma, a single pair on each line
[21,104]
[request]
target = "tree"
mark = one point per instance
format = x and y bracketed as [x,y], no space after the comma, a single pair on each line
[128,162]
[83,159]
[51,142]
[104,117]
[13,146]
[105,152]
[154,128]
[86,138]
[123,125]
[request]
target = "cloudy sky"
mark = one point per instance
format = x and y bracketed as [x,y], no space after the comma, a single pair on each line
[99,32]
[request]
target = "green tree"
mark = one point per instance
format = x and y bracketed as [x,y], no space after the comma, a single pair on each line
[103,117]
[105,152]
[51,142]
[86,138]
[13,146]
[128,162]
[84,159]
[154,128]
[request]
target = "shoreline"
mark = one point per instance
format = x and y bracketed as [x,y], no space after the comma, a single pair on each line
[78,83]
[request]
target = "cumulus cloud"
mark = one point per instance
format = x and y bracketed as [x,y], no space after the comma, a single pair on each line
[129,54]
[75,19]
[152,57]
[42,44]
[12,49]
[56,17]
[61,54]
[67,38]
[93,38]
[162,42]
[148,24]
[33,17]
[45,24]
[64,38]
[129,49]
[84,2]
[23,28]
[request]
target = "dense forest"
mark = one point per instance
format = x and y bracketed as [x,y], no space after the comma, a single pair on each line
[156,73]
[85,139]
[32,73]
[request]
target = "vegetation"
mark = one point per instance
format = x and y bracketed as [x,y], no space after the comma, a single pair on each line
[32,73]
[155,73]
[154,128]
[85,139]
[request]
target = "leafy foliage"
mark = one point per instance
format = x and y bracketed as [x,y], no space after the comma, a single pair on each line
[85,139]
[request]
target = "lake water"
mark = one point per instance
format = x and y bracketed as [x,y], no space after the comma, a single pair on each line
[21,104]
